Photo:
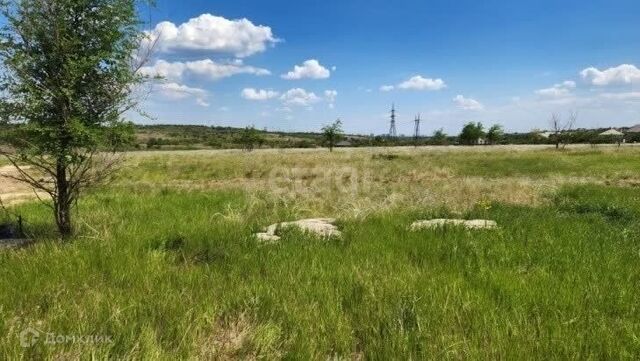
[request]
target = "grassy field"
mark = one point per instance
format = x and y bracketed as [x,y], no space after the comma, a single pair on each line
[165,265]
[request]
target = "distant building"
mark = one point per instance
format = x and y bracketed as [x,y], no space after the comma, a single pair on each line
[344,143]
[612,132]
[546,134]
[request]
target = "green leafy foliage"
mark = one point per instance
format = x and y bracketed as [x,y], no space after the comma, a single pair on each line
[332,134]
[471,133]
[495,134]
[439,137]
[250,138]
[68,76]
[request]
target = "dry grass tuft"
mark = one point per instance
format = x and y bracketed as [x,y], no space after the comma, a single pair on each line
[240,338]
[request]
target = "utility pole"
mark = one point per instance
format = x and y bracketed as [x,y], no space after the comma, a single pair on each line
[392,127]
[416,134]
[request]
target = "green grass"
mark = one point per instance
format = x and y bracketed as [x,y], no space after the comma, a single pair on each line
[599,162]
[174,274]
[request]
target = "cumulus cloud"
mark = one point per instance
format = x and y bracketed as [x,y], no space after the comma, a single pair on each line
[310,69]
[175,91]
[420,83]
[207,68]
[258,94]
[622,74]
[559,90]
[417,82]
[299,97]
[212,33]
[467,103]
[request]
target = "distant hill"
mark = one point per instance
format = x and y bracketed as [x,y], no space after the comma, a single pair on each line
[204,137]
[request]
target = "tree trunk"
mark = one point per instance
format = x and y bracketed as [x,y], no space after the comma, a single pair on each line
[62,203]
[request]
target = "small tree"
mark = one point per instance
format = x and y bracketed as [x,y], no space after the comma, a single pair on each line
[332,134]
[495,134]
[618,139]
[535,136]
[562,129]
[439,137]
[249,138]
[471,133]
[69,68]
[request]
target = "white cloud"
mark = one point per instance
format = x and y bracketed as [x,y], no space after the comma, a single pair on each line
[559,90]
[164,69]
[310,69]
[299,97]
[207,68]
[258,94]
[330,96]
[175,91]
[203,103]
[420,83]
[467,103]
[622,74]
[553,92]
[207,32]
[387,88]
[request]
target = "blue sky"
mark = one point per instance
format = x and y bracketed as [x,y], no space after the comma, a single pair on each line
[297,65]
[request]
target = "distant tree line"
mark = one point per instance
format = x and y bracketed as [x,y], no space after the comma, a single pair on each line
[185,137]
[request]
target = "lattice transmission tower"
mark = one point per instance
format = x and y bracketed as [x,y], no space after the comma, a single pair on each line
[392,127]
[416,132]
